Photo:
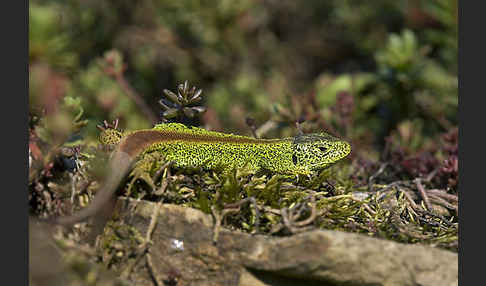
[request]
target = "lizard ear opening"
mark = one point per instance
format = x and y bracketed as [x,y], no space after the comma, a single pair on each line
[323,149]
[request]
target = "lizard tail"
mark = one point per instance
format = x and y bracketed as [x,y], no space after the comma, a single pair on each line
[120,164]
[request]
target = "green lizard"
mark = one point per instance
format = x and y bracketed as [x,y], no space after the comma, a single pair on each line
[197,147]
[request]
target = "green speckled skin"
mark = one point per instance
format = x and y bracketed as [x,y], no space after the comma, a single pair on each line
[196,147]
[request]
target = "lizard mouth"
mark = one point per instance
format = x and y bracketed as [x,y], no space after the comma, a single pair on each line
[341,151]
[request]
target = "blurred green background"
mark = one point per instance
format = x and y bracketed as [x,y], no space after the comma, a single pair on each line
[361,70]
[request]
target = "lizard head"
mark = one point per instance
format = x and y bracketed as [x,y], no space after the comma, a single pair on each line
[318,151]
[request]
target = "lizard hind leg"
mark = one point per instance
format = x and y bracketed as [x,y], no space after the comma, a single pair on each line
[145,169]
[110,137]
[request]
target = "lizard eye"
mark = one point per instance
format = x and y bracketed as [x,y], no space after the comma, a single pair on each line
[294,159]
[323,149]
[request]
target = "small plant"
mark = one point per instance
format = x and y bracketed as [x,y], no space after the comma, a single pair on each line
[177,106]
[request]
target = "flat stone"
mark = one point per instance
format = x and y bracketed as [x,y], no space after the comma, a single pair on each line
[183,247]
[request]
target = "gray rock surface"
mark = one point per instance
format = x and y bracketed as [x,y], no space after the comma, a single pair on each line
[182,248]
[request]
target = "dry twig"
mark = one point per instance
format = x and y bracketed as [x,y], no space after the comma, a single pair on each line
[144,248]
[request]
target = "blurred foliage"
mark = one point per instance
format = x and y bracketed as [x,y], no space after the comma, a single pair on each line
[397,59]
[380,74]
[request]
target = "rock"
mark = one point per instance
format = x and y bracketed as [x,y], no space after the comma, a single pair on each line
[182,250]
